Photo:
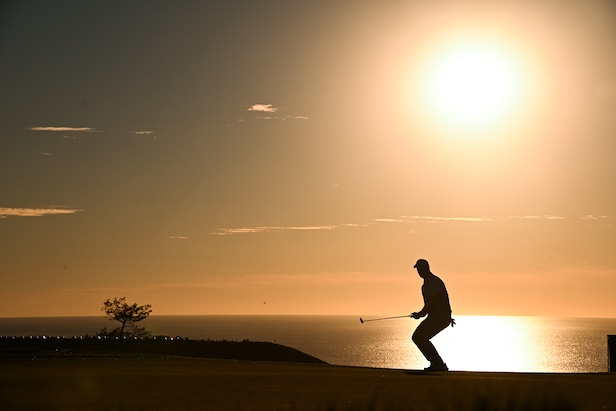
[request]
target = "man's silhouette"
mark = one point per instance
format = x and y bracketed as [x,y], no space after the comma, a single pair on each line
[438,310]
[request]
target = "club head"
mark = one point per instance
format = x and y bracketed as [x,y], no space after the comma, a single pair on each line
[361,320]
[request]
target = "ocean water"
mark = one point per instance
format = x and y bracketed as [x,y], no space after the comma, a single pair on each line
[476,343]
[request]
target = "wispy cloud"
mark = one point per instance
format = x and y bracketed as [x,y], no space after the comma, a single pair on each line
[389,220]
[262,229]
[435,219]
[597,217]
[146,133]
[469,219]
[35,212]
[282,117]
[270,109]
[354,225]
[593,220]
[178,237]
[535,217]
[413,219]
[265,108]
[62,129]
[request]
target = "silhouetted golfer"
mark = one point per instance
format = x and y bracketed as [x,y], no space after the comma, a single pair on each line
[438,310]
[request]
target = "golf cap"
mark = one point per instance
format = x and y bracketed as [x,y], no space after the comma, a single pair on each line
[421,263]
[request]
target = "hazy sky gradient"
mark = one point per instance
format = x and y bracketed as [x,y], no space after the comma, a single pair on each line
[274,157]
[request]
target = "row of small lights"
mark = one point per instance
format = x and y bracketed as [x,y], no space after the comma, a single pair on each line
[81,337]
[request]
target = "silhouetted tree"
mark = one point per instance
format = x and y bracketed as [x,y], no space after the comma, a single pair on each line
[127,315]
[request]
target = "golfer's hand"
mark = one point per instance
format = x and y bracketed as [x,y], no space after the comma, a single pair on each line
[415,316]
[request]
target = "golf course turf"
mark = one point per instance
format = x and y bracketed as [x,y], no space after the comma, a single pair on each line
[190,375]
[175,383]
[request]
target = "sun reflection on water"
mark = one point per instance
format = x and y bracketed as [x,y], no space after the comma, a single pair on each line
[487,343]
[477,343]
[491,344]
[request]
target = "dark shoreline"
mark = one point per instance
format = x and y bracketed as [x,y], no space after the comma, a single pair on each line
[93,346]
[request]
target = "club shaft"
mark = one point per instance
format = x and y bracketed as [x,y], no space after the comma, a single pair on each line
[386,318]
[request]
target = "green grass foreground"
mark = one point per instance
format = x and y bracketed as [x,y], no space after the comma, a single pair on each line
[174,383]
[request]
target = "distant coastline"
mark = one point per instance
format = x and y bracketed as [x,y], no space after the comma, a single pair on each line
[92,346]
[477,343]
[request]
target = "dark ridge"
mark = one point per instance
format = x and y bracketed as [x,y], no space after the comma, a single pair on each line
[44,346]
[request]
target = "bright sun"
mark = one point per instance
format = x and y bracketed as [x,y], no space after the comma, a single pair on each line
[471,86]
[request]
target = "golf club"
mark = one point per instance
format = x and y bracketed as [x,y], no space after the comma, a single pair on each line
[383,318]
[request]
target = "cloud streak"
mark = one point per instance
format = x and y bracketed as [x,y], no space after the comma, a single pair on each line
[433,219]
[62,129]
[270,109]
[535,217]
[263,229]
[282,117]
[597,217]
[35,212]
[264,108]
[414,219]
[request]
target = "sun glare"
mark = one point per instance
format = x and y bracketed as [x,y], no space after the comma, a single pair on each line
[471,86]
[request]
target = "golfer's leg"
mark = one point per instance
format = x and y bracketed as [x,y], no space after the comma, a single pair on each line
[421,338]
[422,335]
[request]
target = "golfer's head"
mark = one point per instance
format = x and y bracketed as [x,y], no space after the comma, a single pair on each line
[422,267]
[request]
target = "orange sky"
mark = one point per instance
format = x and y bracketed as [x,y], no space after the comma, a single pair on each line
[278,158]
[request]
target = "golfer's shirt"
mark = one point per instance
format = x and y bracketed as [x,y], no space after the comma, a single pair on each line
[436,298]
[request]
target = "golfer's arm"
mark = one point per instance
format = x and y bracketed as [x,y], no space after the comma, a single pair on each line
[428,304]
[424,310]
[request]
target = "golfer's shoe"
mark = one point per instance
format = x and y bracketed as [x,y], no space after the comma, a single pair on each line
[437,367]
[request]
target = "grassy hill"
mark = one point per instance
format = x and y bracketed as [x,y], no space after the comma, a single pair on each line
[42,346]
